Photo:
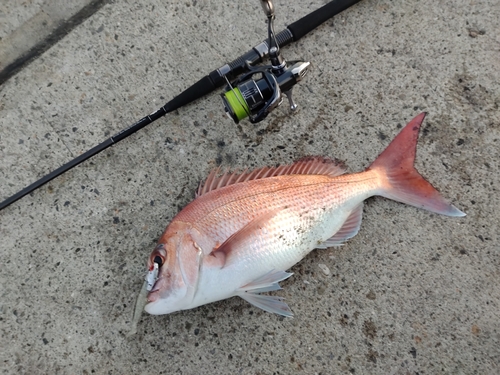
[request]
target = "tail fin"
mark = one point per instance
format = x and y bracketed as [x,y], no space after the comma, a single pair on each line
[403,182]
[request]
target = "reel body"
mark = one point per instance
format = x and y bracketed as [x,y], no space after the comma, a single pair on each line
[259,91]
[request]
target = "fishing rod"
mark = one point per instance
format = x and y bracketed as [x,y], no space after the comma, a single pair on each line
[254,94]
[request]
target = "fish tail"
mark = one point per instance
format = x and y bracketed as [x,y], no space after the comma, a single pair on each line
[401,181]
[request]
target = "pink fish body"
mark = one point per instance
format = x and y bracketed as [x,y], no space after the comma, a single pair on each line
[244,230]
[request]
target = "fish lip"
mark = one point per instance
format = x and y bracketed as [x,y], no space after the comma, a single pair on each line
[153,294]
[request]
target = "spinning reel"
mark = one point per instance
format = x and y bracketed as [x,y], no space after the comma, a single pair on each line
[256,93]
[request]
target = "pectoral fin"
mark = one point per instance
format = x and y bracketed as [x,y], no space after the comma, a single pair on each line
[266,283]
[240,238]
[270,304]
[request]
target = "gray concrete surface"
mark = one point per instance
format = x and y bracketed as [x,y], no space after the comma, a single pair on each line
[413,293]
[29,28]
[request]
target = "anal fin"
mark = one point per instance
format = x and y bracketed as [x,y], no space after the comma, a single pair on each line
[348,230]
[267,283]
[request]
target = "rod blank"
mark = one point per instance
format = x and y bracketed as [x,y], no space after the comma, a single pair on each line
[201,88]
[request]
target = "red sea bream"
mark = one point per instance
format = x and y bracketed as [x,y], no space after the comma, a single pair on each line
[244,230]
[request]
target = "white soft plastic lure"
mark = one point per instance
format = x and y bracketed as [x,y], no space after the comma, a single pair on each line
[244,230]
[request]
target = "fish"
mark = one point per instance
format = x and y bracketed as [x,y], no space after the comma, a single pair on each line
[244,230]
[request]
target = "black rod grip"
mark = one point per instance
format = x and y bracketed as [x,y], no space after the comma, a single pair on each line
[201,88]
[312,20]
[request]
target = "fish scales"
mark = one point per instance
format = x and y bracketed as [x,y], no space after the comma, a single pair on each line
[233,207]
[245,229]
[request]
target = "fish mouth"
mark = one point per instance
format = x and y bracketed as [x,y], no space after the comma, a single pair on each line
[153,296]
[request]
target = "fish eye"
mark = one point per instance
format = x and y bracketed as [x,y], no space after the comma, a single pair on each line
[159,254]
[158,259]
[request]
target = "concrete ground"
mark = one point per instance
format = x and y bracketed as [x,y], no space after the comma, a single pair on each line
[412,293]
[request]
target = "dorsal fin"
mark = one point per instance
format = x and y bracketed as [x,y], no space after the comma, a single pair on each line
[310,165]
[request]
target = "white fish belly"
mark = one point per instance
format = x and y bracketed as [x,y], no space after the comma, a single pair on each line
[278,245]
